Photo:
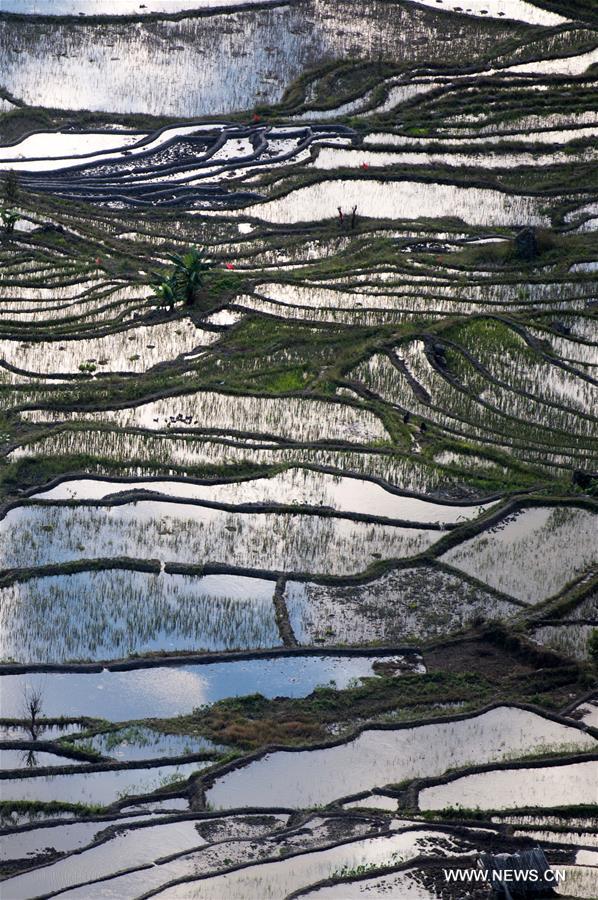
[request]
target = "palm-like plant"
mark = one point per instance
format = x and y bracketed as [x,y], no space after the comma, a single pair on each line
[189,270]
[165,293]
[9,220]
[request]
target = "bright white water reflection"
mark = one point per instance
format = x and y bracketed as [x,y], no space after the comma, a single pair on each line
[211,65]
[103,615]
[523,556]
[178,532]
[400,200]
[511,788]
[96,787]
[268,881]
[512,9]
[53,144]
[131,847]
[134,350]
[580,882]
[164,691]
[112,7]
[294,418]
[62,838]
[379,757]
[294,486]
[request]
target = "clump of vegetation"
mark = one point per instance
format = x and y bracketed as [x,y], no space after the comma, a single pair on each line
[184,281]
[10,810]
[9,220]
[10,188]
[165,292]
[10,192]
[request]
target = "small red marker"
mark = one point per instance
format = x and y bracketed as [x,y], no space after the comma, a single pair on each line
[228,266]
[256,118]
[365,165]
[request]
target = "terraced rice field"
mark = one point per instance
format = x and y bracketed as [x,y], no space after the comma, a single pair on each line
[298,446]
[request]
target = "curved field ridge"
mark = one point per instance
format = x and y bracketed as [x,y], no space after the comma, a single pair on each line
[377,758]
[508,789]
[522,555]
[299,487]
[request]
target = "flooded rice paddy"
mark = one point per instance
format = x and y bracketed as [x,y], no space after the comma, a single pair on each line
[395,607]
[511,788]
[101,788]
[255,881]
[183,533]
[297,445]
[178,689]
[294,487]
[265,49]
[400,200]
[528,547]
[377,758]
[135,350]
[138,742]
[139,613]
[297,419]
[62,838]
[512,9]
[113,7]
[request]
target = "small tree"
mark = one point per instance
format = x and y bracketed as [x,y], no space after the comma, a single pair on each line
[593,645]
[33,703]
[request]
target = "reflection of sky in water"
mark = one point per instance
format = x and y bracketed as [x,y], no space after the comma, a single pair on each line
[136,349]
[172,691]
[112,7]
[137,742]
[177,67]
[55,145]
[504,789]
[25,759]
[292,486]
[407,473]
[379,757]
[61,837]
[57,150]
[254,883]
[523,555]
[167,67]
[297,418]
[111,614]
[513,9]
[177,532]
[400,200]
[95,787]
